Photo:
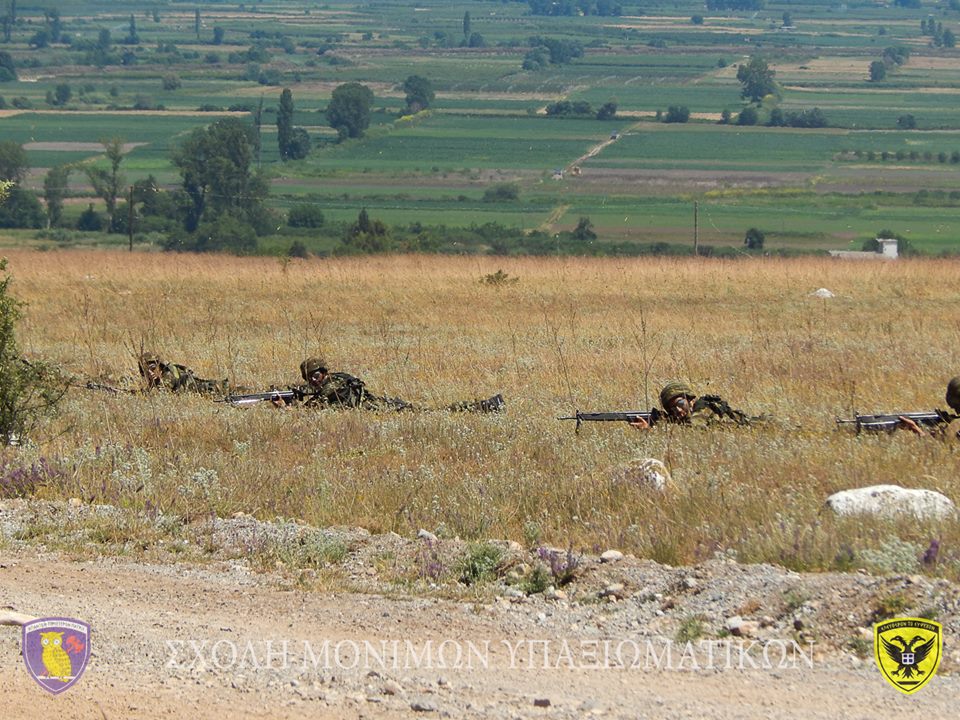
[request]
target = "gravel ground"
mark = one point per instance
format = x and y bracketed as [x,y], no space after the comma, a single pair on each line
[227,637]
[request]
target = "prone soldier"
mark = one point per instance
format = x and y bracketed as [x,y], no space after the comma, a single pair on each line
[682,406]
[177,378]
[339,389]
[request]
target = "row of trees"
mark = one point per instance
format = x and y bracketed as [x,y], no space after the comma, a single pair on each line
[604,8]
[582,109]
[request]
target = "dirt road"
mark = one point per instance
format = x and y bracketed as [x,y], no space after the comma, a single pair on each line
[221,641]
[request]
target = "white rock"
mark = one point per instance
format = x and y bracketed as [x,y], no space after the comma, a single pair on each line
[611,556]
[427,535]
[822,293]
[889,500]
[646,472]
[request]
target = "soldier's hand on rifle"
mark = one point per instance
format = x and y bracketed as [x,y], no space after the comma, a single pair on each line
[640,424]
[908,424]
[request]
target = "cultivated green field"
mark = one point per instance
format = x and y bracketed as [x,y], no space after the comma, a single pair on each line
[807,188]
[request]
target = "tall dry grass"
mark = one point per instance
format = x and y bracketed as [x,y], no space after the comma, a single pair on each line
[569,333]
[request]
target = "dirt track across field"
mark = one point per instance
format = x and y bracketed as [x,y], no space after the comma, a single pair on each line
[221,641]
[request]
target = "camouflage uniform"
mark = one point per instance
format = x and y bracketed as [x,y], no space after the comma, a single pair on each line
[340,389]
[953,401]
[177,378]
[707,410]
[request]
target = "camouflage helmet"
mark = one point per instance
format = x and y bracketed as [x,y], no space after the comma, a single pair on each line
[953,393]
[311,365]
[673,390]
[148,358]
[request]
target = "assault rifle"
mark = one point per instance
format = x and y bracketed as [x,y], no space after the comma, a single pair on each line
[287,396]
[891,421]
[650,416]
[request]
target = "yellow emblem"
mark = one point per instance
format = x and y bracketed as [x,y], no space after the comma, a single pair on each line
[908,651]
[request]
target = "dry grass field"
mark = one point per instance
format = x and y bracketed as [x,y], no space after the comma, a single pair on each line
[556,335]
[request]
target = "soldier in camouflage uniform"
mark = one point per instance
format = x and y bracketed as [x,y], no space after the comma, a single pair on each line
[338,389]
[177,378]
[682,406]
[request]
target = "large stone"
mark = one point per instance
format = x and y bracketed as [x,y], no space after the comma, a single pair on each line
[890,500]
[646,472]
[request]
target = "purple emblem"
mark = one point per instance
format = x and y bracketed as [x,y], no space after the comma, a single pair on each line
[56,651]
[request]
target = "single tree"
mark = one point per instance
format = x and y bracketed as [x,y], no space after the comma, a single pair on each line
[108,184]
[8,71]
[218,33]
[607,111]
[756,77]
[907,122]
[54,24]
[349,110]
[677,114]
[466,23]
[132,37]
[215,164]
[13,161]
[285,123]
[748,116]
[54,192]
[754,239]
[878,71]
[419,91]
[584,231]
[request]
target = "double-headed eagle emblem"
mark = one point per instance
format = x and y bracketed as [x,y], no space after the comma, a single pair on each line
[908,664]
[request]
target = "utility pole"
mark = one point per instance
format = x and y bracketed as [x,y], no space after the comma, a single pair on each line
[130,216]
[696,227]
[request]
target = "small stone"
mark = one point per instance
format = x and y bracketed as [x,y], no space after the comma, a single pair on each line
[733,624]
[690,583]
[442,681]
[512,592]
[392,687]
[541,702]
[553,594]
[423,706]
[75,502]
[427,535]
[611,556]
[614,590]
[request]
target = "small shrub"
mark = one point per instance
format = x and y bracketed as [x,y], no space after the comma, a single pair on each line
[889,606]
[501,193]
[21,481]
[498,279]
[691,629]
[860,646]
[429,564]
[298,250]
[893,556]
[305,216]
[563,566]
[537,581]
[480,563]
